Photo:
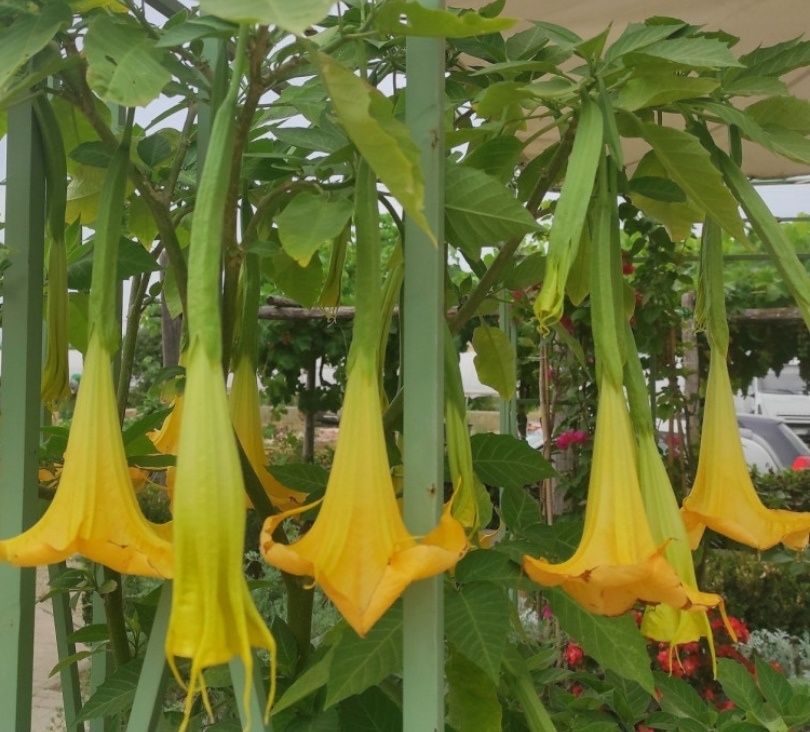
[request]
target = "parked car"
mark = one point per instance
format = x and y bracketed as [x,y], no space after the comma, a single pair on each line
[770,444]
[786,396]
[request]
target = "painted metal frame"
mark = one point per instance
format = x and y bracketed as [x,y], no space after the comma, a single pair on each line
[20,418]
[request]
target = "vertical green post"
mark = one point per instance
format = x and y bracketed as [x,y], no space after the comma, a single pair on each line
[19,403]
[424,312]
[507,408]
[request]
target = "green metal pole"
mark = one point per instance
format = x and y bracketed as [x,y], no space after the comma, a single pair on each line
[68,675]
[19,403]
[423,673]
[507,408]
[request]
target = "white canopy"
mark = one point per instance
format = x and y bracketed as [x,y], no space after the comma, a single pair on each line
[755,22]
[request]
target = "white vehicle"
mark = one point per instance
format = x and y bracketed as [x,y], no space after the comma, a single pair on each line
[786,396]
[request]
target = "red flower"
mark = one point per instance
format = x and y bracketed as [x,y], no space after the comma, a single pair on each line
[577,689]
[573,654]
[628,268]
[567,323]
[727,704]
[570,437]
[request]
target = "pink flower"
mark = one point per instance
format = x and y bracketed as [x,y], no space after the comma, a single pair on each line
[571,437]
[573,655]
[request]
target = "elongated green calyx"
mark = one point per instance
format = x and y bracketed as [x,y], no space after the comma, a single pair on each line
[55,372]
[571,212]
[207,224]
[712,310]
[607,314]
[109,227]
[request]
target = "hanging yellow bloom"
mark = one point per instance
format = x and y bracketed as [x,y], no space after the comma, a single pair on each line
[617,562]
[723,497]
[358,549]
[167,438]
[663,622]
[94,512]
[246,418]
[213,617]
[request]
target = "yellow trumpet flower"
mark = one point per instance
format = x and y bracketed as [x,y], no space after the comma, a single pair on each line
[617,563]
[358,549]
[246,419]
[167,438]
[94,512]
[723,497]
[213,617]
[662,622]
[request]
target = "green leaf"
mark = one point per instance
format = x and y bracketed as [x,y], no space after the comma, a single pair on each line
[359,663]
[308,682]
[312,138]
[384,141]
[83,193]
[132,259]
[90,634]
[495,360]
[309,221]
[777,59]
[481,211]
[774,687]
[154,149]
[615,643]
[371,711]
[302,284]
[690,166]
[661,87]
[194,28]
[487,566]
[678,218]
[527,273]
[115,694]
[29,34]
[557,542]
[476,619]
[94,154]
[472,698]
[143,425]
[71,659]
[123,65]
[294,17]
[519,510]
[497,157]
[525,44]
[638,35]
[755,86]
[507,462]
[739,686]
[307,477]
[140,223]
[659,189]
[784,111]
[680,699]
[696,53]
[402,18]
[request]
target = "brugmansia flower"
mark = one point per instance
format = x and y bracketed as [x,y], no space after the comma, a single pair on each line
[213,617]
[663,622]
[167,438]
[94,512]
[617,563]
[358,549]
[723,497]
[246,418]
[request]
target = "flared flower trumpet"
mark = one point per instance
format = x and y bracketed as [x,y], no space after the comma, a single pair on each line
[213,617]
[94,512]
[246,419]
[358,549]
[723,497]
[617,563]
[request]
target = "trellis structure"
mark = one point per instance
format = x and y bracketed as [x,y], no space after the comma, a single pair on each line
[22,415]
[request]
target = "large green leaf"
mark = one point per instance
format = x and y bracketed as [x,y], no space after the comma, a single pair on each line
[697,53]
[739,686]
[472,698]
[519,510]
[660,86]
[495,360]
[384,141]
[294,16]
[308,682]
[409,18]
[777,59]
[789,112]
[477,616]
[27,35]
[497,157]
[114,694]
[774,687]
[487,566]
[310,220]
[371,711]
[123,65]
[359,663]
[307,477]
[481,211]
[690,166]
[678,698]
[615,643]
[677,217]
[302,284]
[638,35]
[507,462]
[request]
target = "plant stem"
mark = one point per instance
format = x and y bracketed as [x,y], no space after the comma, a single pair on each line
[140,284]
[114,612]
[300,600]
